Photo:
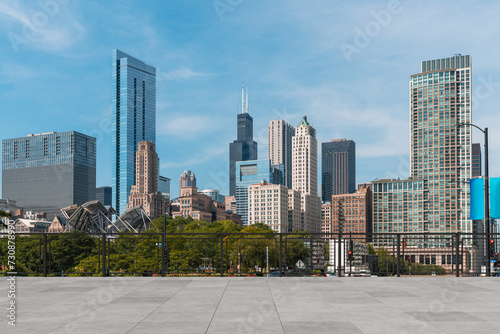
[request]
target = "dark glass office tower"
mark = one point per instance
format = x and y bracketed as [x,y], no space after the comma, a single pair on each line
[49,171]
[244,148]
[338,174]
[104,195]
[134,120]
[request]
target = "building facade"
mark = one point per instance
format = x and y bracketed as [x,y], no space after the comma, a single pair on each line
[199,206]
[49,171]
[295,222]
[164,186]
[305,174]
[187,179]
[244,148]
[215,195]
[134,120]
[248,173]
[400,206]
[268,204]
[104,195]
[144,192]
[357,212]
[326,218]
[279,149]
[338,174]
[440,97]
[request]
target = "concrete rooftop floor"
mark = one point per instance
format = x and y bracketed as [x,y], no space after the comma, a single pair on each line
[254,305]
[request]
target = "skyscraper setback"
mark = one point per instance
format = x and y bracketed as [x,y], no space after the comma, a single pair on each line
[338,173]
[134,119]
[279,149]
[440,151]
[244,148]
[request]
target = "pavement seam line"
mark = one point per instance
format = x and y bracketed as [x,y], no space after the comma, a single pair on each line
[159,307]
[275,307]
[99,307]
[213,315]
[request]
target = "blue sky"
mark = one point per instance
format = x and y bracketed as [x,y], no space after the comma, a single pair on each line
[55,72]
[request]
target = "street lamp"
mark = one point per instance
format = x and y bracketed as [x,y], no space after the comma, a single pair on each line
[486,191]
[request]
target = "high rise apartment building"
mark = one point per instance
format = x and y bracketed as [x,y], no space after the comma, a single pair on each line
[134,120]
[244,148]
[279,149]
[145,190]
[338,175]
[440,97]
[49,171]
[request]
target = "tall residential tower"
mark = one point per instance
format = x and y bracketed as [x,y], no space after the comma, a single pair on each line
[440,97]
[134,120]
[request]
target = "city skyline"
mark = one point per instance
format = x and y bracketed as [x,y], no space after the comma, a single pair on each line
[328,89]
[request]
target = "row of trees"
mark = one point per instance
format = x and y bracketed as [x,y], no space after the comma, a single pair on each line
[80,254]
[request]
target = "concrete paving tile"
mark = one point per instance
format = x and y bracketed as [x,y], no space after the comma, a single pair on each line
[320,327]
[453,327]
[444,316]
[169,328]
[245,327]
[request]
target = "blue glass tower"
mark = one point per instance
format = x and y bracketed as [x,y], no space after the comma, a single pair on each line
[134,119]
[248,173]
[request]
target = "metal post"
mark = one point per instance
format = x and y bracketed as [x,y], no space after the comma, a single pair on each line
[267,261]
[221,255]
[398,240]
[281,255]
[103,255]
[457,266]
[339,254]
[163,237]
[487,201]
[45,255]
[239,260]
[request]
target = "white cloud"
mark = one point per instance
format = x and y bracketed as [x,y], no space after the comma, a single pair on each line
[182,74]
[47,26]
[186,127]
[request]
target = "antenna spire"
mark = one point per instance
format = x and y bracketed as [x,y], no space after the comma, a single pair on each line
[247,101]
[243,98]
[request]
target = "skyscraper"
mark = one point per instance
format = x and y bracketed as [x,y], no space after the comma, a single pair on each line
[104,195]
[145,190]
[440,152]
[164,186]
[49,171]
[134,119]
[305,175]
[279,148]
[338,174]
[248,173]
[305,159]
[244,148]
[187,179]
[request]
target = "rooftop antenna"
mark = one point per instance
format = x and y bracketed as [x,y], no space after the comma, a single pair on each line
[243,98]
[247,101]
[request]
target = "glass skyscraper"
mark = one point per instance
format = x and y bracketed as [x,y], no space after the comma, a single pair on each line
[49,171]
[244,148]
[440,97]
[134,120]
[338,176]
[248,173]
